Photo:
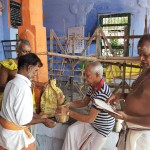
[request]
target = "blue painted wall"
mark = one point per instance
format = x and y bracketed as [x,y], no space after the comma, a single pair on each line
[59,15]
[6,33]
[1,37]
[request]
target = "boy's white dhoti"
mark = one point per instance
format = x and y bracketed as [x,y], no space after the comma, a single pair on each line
[82,136]
[138,138]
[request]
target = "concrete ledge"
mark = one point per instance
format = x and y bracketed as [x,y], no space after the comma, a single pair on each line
[52,138]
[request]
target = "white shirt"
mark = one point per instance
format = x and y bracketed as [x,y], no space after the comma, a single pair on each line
[17,107]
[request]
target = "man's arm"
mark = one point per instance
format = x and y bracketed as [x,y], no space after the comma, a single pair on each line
[40,84]
[115,98]
[140,120]
[41,119]
[89,118]
[79,103]
[4,72]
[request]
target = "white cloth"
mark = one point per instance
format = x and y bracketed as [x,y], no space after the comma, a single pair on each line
[17,107]
[137,138]
[82,136]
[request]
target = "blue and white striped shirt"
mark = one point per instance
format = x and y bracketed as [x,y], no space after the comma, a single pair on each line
[103,122]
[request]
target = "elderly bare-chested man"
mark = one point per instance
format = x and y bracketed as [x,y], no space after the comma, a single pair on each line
[136,112]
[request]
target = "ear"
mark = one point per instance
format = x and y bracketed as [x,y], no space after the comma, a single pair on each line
[98,76]
[29,68]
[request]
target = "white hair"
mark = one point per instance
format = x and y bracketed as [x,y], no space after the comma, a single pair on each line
[97,68]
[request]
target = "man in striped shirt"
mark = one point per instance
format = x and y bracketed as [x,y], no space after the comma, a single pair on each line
[91,130]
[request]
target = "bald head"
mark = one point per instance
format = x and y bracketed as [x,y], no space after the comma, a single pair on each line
[144,50]
[144,44]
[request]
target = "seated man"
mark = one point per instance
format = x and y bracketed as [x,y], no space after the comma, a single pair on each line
[136,112]
[17,107]
[91,130]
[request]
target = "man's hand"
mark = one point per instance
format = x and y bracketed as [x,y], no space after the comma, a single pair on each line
[40,84]
[60,99]
[62,110]
[44,116]
[120,115]
[49,123]
[68,104]
[114,99]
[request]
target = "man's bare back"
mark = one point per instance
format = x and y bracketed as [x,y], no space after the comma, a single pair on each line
[6,74]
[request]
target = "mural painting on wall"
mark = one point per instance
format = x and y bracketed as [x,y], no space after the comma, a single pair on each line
[143,3]
[80,11]
[1,7]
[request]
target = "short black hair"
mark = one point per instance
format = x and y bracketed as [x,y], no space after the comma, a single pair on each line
[29,59]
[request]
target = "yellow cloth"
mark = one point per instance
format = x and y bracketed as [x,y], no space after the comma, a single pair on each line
[33,98]
[9,64]
[11,126]
[48,102]
[113,71]
[131,71]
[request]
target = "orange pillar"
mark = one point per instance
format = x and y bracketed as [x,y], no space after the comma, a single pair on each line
[32,29]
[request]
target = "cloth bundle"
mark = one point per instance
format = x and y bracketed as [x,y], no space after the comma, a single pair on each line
[49,99]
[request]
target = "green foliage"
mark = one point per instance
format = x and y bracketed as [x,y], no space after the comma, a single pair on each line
[114,42]
[115,20]
[83,63]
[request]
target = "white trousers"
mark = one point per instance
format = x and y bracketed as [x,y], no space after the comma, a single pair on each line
[82,136]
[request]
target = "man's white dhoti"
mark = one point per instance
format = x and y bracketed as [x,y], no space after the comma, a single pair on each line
[82,136]
[138,138]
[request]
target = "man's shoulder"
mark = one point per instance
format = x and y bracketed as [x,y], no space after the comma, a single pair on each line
[105,86]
